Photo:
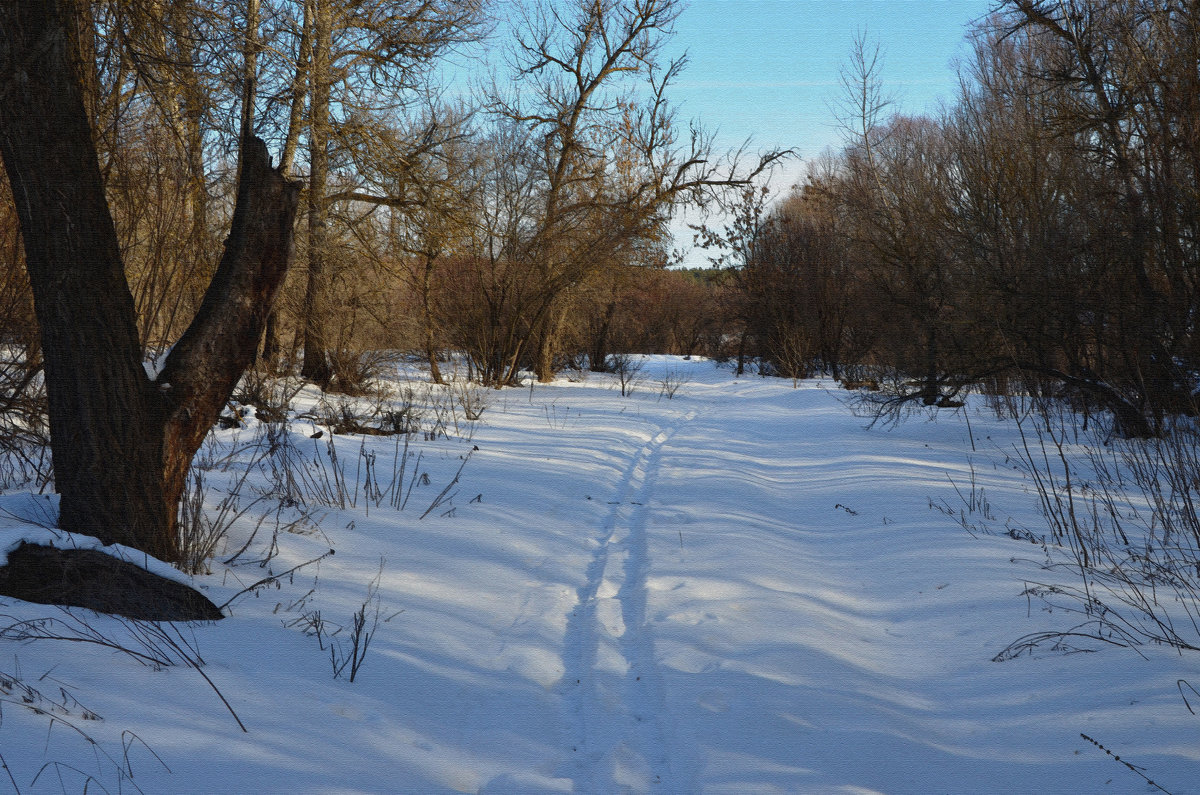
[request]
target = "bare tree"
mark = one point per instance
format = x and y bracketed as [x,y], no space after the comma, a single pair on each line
[365,57]
[610,162]
[442,190]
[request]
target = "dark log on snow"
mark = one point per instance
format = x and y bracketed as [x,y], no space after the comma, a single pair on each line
[92,579]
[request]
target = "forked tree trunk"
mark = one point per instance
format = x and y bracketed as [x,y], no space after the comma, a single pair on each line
[121,440]
[204,366]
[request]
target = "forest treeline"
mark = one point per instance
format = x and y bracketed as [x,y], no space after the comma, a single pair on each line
[1039,234]
[510,213]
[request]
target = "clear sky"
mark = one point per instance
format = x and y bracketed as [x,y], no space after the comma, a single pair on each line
[769,69]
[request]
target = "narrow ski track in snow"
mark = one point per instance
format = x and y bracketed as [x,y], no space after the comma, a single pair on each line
[613,692]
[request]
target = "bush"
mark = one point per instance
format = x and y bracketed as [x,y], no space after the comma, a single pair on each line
[1123,522]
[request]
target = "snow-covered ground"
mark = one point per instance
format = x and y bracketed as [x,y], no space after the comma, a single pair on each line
[740,589]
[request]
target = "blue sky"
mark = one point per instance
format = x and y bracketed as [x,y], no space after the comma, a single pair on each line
[769,69]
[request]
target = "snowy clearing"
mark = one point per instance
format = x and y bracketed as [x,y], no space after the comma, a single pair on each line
[740,589]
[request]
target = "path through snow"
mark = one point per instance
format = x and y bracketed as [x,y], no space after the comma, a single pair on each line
[740,590]
[612,688]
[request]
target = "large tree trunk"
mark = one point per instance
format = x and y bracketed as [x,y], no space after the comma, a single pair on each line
[547,341]
[121,441]
[105,419]
[548,337]
[271,350]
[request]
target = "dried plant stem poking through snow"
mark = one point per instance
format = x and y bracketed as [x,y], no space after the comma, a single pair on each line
[351,650]
[1138,771]
[154,643]
[670,382]
[65,713]
[1121,516]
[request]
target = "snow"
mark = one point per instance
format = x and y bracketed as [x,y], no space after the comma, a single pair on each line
[738,590]
[47,536]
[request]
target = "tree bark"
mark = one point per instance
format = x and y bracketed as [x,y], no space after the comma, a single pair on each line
[427,319]
[105,419]
[270,343]
[204,366]
[598,354]
[121,441]
[547,342]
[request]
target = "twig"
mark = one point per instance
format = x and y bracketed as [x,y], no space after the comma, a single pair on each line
[273,578]
[220,695]
[441,497]
[1181,684]
[1134,768]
